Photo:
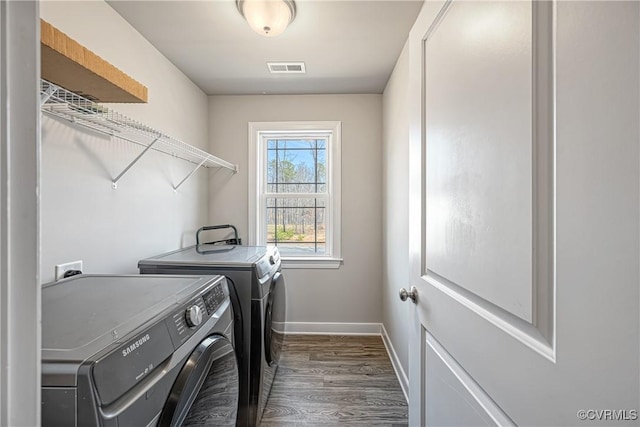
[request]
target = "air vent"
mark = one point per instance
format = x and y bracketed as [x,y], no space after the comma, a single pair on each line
[286,67]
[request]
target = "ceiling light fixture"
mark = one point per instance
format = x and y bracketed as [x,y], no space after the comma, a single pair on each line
[267,17]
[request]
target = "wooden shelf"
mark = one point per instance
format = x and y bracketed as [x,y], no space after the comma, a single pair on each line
[67,63]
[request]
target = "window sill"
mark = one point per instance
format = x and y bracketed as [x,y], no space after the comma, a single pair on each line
[311,263]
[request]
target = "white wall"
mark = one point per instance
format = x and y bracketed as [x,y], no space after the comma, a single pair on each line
[350,294]
[83,218]
[395,212]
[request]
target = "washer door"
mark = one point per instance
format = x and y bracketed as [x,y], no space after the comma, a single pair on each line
[206,390]
[274,321]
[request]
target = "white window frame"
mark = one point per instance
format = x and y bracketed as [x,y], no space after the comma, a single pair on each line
[258,134]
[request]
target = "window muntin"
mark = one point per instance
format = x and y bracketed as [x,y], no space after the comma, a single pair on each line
[297,225]
[296,165]
[295,196]
[294,192]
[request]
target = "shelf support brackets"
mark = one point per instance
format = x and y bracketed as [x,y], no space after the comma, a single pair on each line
[114,184]
[59,102]
[44,97]
[190,174]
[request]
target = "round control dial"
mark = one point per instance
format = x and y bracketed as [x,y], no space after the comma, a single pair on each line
[193,316]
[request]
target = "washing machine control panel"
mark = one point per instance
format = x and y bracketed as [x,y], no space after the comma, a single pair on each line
[187,320]
[184,322]
[214,299]
[193,316]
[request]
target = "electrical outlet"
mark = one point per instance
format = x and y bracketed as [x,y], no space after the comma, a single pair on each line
[63,268]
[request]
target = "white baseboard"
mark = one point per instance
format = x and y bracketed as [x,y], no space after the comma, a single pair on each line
[329,328]
[395,362]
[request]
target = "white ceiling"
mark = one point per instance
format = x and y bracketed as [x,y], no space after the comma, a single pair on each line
[348,46]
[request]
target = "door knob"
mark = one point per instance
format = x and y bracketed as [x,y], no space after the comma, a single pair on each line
[413,294]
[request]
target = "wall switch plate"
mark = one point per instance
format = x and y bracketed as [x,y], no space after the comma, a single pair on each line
[63,268]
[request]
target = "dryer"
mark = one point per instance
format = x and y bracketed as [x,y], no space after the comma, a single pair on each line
[255,274]
[138,351]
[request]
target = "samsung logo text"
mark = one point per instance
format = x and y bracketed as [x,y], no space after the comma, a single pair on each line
[134,346]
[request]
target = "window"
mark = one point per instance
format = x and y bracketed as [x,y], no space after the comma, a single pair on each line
[294,186]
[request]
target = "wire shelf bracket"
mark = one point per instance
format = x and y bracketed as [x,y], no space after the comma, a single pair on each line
[114,184]
[189,176]
[46,94]
[61,103]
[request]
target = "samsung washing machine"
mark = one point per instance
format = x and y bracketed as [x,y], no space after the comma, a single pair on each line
[138,351]
[254,274]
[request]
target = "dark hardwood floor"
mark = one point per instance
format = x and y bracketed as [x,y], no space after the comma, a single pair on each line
[328,381]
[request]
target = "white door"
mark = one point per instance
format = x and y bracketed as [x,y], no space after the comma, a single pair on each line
[524,213]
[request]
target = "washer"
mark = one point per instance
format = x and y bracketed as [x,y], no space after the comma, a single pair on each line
[254,272]
[138,351]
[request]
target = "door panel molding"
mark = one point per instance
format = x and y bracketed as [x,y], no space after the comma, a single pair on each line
[538,332]
[479,183]
[521,330]
[483,402]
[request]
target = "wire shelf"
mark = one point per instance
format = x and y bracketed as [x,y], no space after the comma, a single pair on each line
[59,102]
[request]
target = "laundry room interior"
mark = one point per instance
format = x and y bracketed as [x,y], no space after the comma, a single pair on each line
[369,213]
